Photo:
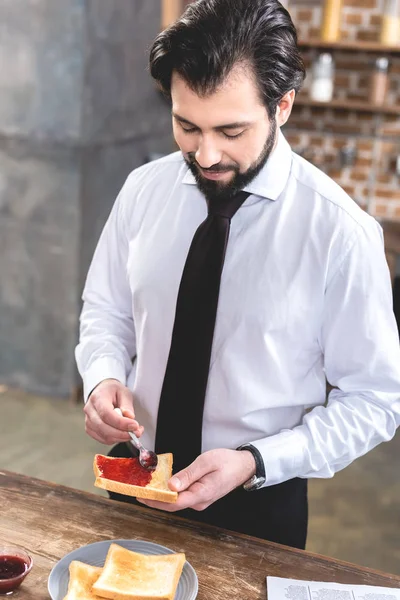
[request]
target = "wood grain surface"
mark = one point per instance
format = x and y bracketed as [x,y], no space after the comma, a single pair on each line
[50,520]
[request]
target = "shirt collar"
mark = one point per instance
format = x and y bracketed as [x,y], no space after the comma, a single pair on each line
[272,179]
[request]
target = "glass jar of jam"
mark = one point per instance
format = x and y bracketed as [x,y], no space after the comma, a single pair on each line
[15,564]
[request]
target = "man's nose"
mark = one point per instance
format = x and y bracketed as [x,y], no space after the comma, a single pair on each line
[207,154]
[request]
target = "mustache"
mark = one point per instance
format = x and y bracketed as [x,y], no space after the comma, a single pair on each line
[214,168]
[217,169]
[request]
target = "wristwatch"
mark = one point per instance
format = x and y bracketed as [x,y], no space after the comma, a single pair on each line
[258,480]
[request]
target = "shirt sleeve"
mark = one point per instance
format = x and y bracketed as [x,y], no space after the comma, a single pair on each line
[360,343]
[107,334]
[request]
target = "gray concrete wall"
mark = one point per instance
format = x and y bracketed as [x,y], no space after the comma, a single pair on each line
[78,112]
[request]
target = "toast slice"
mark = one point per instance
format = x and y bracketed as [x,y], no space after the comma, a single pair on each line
[81,579]
[108,471]
[128,575]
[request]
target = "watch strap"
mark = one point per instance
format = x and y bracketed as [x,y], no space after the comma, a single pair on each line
[258,480]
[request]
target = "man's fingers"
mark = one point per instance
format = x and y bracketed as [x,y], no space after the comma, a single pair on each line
[184,479]
[132,425]
[108,424]
[139,431]
[101,418]
[129,414]
[185,500]
[106,433]
[93,434]
[200,507]
[105,398]
[112,418]
[125,402]
[197,495]
[211,476]
[99,437]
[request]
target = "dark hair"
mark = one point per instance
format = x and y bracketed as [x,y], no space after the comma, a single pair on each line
[213,35]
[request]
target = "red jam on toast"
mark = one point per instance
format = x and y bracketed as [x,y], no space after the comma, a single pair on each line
[124,470]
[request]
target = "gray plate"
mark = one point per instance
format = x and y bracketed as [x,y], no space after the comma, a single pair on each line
[95,555]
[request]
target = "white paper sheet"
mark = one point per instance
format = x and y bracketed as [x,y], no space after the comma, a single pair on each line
[279,588]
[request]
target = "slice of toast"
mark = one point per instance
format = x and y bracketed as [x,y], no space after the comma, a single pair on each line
[156,489]
[127,575]
[81,579]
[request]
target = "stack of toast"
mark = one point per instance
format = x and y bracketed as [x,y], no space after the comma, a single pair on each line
[126,575]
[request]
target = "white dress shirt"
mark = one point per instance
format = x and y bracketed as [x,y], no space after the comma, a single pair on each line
[305,293]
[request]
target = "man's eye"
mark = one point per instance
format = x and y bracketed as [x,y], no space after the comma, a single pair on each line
[232,137]
[189,130]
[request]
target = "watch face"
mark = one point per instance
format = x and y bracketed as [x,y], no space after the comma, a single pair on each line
[255,483]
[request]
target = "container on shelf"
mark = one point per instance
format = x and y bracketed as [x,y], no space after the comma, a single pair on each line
[323,72]
[347,155]
[398,165]
[171,10]
[379,81]
[390,30]
[331,19]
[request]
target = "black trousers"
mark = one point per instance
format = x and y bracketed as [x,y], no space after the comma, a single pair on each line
[278,513]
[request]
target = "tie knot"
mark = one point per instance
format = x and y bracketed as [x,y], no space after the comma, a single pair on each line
[226,207]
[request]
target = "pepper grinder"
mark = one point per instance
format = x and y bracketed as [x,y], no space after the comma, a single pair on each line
[379,81]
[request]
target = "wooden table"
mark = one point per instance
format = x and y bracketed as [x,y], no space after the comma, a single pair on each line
[51,520]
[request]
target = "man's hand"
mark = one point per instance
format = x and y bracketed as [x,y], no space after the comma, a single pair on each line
[211,476]
[101,422]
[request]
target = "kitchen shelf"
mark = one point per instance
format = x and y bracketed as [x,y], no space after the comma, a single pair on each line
[346,45]
[349,105]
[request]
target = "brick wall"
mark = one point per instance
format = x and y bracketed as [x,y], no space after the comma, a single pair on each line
[361,19]
[319,134]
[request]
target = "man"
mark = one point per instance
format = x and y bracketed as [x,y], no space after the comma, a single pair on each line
[204,363]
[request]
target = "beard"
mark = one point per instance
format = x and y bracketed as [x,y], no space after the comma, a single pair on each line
[223,191]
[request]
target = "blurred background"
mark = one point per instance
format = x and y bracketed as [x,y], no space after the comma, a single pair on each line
[78,112]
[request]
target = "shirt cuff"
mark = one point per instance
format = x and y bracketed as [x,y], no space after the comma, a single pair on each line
[284,456]
[102,368]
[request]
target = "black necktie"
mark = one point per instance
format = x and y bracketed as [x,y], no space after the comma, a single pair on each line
[180,413]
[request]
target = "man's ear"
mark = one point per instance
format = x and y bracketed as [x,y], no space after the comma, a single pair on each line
[284,108]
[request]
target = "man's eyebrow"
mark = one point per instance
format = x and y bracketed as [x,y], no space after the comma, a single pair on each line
[236,125]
